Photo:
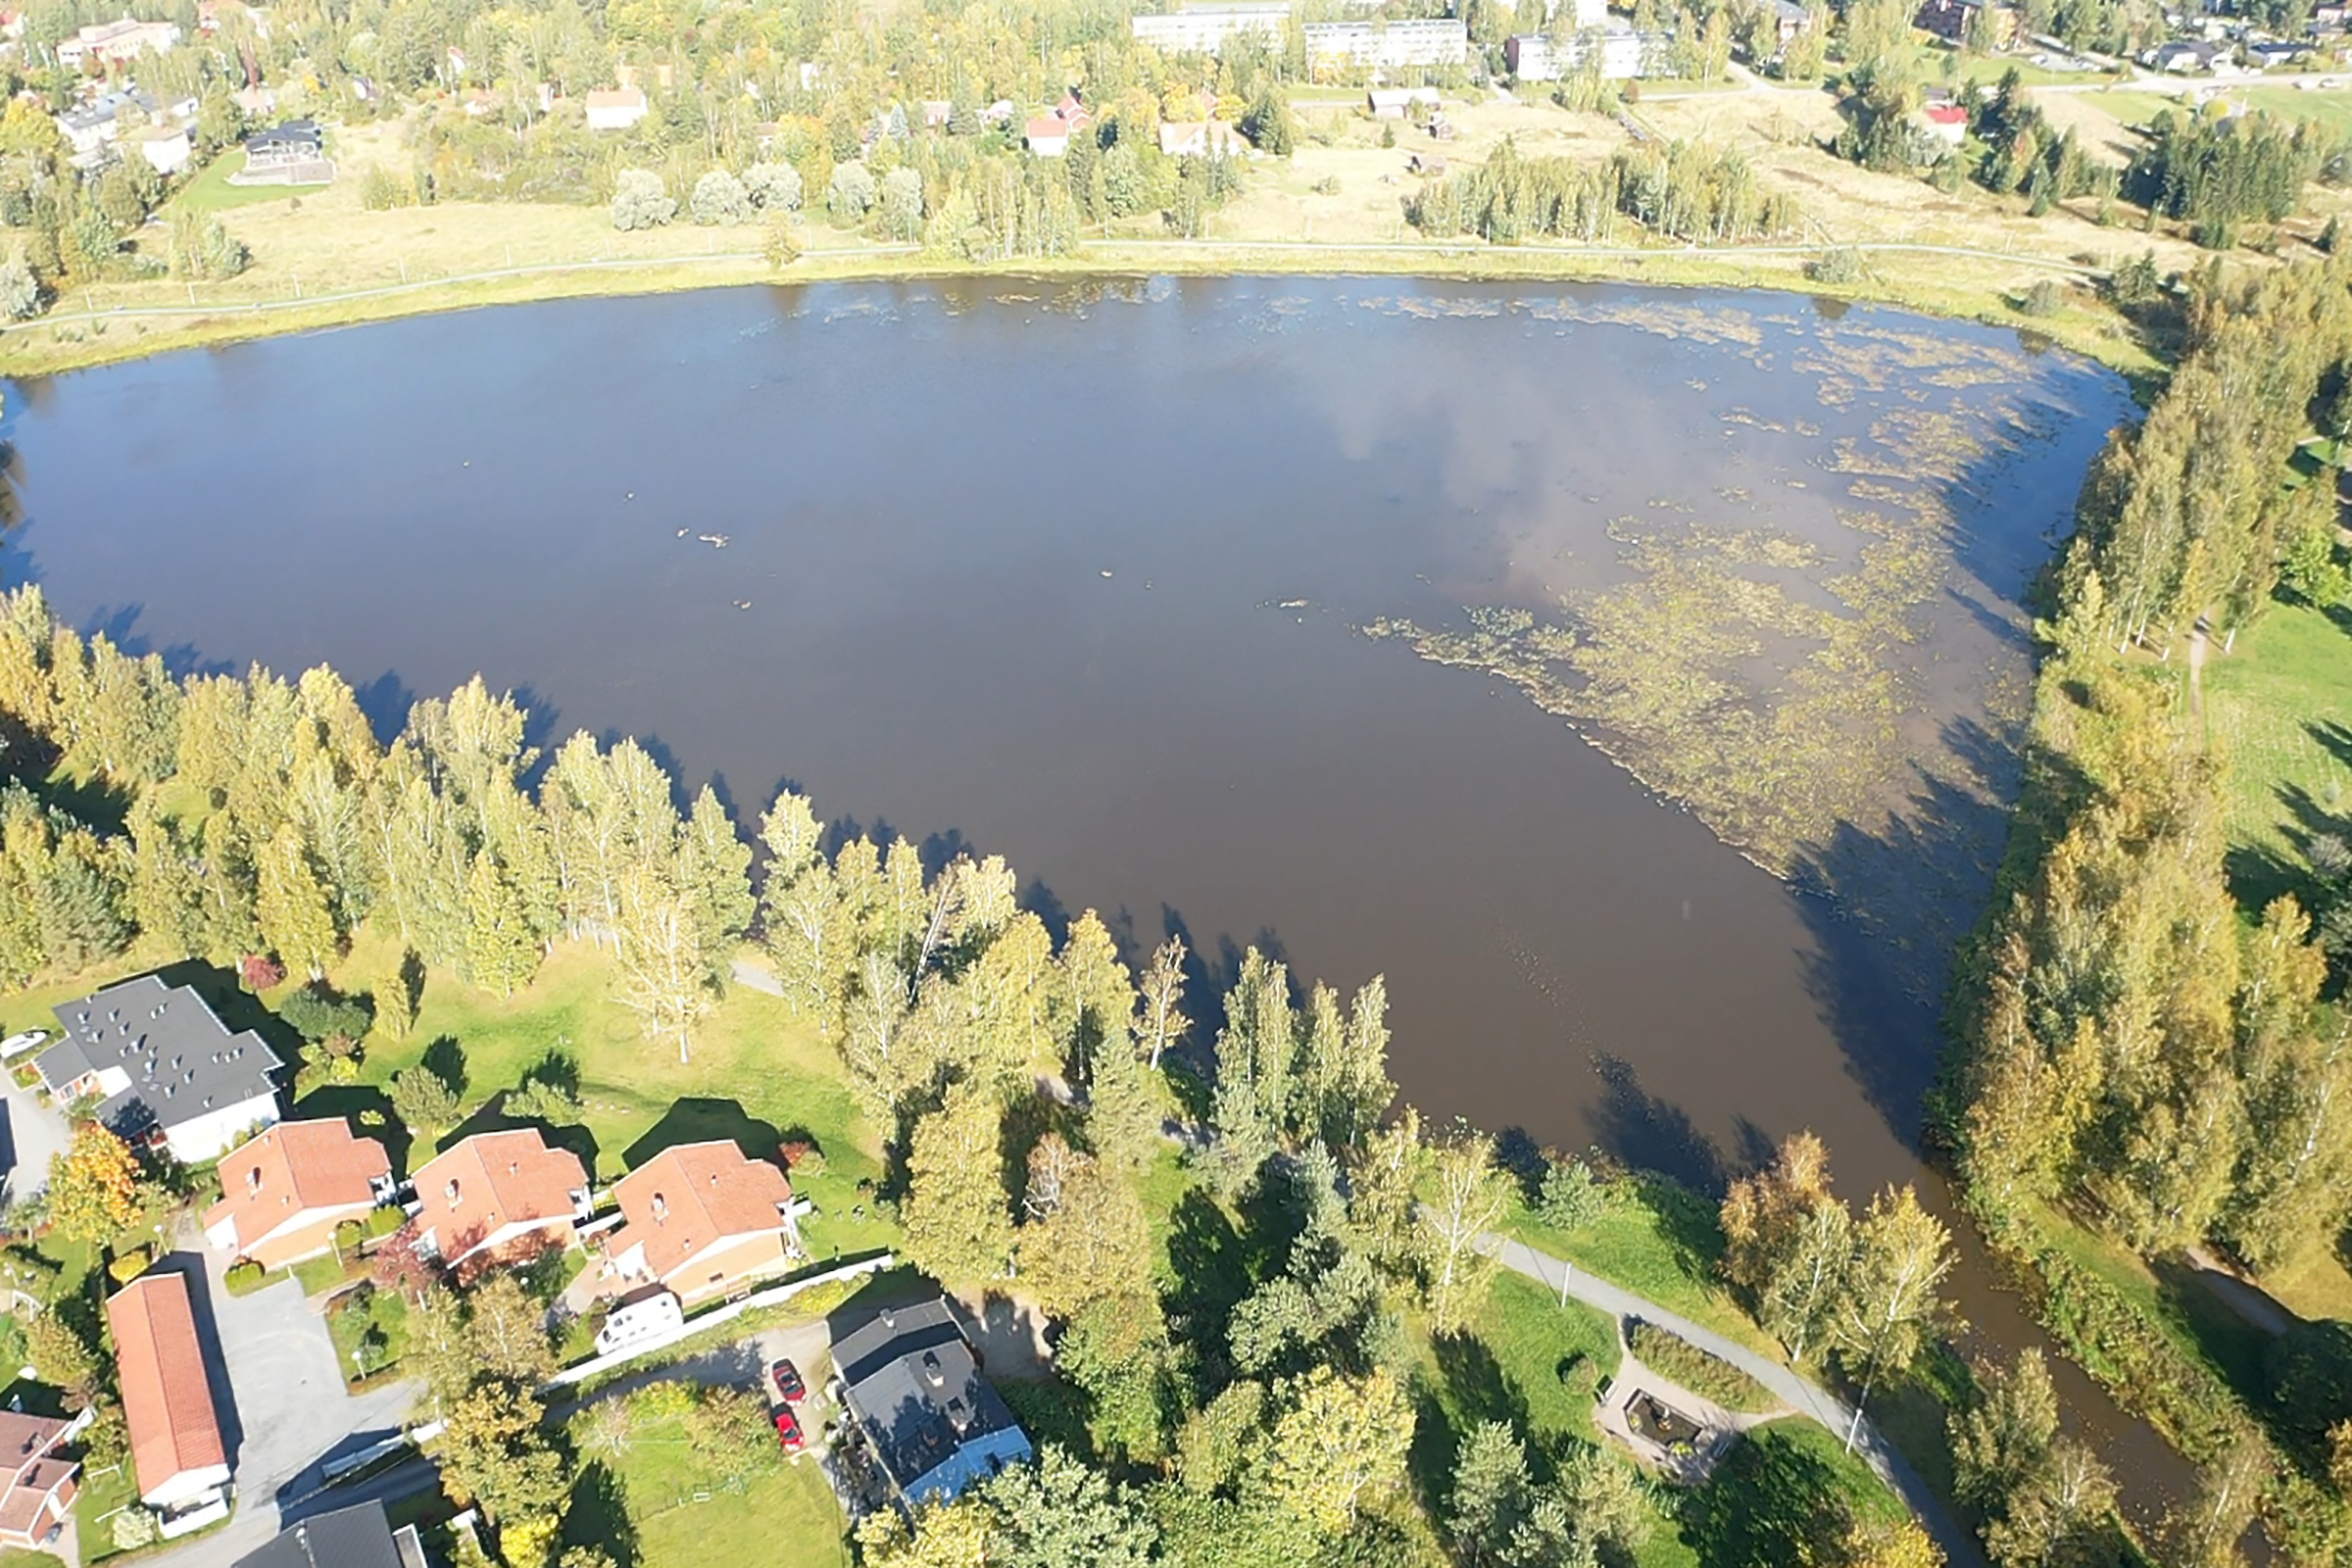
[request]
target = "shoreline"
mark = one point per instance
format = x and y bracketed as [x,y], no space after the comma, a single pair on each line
[1948,282]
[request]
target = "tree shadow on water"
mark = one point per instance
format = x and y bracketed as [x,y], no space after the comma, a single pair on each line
[1648,1133]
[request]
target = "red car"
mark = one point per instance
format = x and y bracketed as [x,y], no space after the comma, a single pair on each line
[789,1386]
[788,1430]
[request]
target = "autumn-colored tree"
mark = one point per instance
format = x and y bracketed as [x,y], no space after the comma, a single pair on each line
[958,1218]
[1340,1444]
[94,1186]
[495,1453]
[1091,1241]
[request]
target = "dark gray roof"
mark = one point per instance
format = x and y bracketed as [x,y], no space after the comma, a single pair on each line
[182,1060]
[916,1390]
[357,1537]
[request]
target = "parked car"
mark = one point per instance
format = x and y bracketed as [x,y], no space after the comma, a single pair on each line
[789,1386]
[788,1430]
[17,1044]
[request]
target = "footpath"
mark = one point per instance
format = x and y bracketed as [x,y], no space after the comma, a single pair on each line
[1799,1393]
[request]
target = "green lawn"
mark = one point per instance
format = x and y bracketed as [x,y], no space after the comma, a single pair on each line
[757,1076]
[211,191]
[2329,111]
[370,1320]
[2134,108]
[1657,1239]
[2278,708]
[671,1515]
[1783,1497]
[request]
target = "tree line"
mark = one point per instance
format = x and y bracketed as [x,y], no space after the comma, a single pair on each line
[2130,1049]
[1682,191]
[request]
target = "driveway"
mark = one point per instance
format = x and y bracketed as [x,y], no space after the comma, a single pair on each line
[31,1134]
[281,1402]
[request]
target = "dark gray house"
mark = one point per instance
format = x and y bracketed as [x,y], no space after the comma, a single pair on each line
[913,1386]
[358,1537]
[170,1073]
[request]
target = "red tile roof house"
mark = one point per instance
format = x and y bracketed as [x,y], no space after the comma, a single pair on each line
[42,1481]
[700,1219]
[175,1444]
[497,1199]
[284,1192]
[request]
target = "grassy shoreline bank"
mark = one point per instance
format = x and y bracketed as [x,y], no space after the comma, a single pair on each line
[1933,281]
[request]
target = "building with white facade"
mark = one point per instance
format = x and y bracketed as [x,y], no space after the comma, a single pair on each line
[1205,29]
[1387,45]
[1624,53]
[167,1072]
[113,41]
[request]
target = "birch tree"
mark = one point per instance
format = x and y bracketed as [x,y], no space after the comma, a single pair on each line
[1470,1195]
[1901,1254]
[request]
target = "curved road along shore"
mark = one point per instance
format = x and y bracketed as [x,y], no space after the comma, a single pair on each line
[1800,1394]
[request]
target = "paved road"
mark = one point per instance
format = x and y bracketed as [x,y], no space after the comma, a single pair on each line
[283,1408]
[31,1134]
[1801,1395]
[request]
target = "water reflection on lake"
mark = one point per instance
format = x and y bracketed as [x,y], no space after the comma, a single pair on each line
[1076,575]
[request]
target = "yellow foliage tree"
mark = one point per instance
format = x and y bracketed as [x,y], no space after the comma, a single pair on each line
[94,1186]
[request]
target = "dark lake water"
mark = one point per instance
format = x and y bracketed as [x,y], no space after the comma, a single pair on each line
[1076,576]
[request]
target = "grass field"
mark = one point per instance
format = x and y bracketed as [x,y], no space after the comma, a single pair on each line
[2278,708]
[435,258]
[2331,111]
[665,1512]
[756,1076]
[1660,1242]
[211,191]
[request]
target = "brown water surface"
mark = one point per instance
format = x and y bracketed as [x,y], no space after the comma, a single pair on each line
[1076,575]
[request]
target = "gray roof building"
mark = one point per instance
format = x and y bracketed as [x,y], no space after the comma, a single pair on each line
[358,1537]
[914,1386]
[169,1070]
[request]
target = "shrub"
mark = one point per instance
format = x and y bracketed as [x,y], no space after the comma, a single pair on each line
[129,1265]
[380,189]
[1840,266]
[348,1234]
[318,1015]
[774,187]
[640,202]
[20,290]
[134,1528]
[851,194]
[244,1277]
[260,971]
[1328,185]
[719,198]
[2043,299]
[1671,1357]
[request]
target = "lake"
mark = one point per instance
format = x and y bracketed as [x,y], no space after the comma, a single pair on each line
[1082,575]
